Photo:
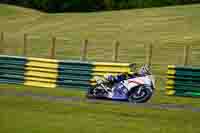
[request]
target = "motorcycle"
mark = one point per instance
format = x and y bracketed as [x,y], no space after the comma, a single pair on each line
[134,90]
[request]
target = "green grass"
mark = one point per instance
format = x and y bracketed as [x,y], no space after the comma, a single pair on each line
[22,115]
[66,92]
[168,28]
[158,98]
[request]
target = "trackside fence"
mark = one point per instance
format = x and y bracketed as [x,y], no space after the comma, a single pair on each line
[52,73]
[183,81]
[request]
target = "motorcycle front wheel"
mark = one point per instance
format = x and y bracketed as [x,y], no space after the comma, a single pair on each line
[140,94]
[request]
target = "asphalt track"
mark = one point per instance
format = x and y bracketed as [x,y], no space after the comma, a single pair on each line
[95,101]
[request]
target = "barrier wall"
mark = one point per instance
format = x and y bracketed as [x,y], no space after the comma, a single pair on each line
[183,81]
[52,73]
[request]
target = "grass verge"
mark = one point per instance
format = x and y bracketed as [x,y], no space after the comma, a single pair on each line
[159,96]
[23,114]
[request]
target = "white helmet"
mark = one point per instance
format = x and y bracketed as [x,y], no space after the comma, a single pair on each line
[145,70]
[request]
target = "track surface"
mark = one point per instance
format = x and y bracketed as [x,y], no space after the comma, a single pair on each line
[95,101]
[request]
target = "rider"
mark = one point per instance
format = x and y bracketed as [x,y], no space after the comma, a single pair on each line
[144,70]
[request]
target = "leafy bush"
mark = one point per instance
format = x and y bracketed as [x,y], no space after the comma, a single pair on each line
[93,5]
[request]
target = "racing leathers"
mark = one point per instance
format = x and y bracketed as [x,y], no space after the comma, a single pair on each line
[121,77]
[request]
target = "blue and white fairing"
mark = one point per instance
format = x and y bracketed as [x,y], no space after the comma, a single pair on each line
[121,89]
[119,92]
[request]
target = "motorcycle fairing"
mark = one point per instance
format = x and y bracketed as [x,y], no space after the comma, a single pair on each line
[119,92]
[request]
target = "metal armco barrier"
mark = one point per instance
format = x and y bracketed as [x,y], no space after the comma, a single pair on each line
[183,81]
[52,73]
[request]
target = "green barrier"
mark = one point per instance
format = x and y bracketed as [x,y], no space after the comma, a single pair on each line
[12,69]
[52,73]
[188,94]
[183,81]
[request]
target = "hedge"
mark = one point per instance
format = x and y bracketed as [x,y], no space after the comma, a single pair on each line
[94,5]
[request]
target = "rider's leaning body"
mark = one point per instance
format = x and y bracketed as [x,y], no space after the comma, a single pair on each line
[145,70]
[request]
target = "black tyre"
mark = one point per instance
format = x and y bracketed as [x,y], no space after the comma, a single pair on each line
[90,93]
[143,96]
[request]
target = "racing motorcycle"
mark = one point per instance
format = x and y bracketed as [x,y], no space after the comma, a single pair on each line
[135,90]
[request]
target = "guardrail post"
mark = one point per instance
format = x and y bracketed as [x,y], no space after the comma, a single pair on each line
[186,55]
[53,47]
[25,44]
[84,51]
[2,43]
[116,51]
[149,53]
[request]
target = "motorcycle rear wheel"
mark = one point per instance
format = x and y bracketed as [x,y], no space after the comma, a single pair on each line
[92,94]
[89,93]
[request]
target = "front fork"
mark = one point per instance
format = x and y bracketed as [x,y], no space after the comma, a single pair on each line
[141,87]
[139,90]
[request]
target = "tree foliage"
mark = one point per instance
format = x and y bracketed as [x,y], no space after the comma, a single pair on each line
[94,5]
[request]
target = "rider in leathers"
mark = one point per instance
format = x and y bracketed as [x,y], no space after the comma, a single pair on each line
[145,70]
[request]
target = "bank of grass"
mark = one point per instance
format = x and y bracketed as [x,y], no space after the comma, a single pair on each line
[23,114]
[167,28]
